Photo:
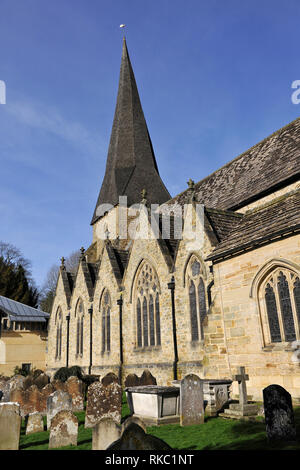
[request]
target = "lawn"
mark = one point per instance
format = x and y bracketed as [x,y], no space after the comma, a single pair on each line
[214,434]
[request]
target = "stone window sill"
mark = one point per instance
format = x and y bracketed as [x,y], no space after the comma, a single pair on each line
[147,348]
[284,346]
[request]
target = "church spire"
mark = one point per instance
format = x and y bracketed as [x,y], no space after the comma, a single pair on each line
[131,165]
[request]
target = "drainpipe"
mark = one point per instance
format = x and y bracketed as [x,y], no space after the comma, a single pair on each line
[90,311]
[68,335]
[120,303]
[171,286]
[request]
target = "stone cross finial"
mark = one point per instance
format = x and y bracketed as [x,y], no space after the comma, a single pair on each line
[62,262]
[241,378]
[191,184]
[82,251]
[144,196]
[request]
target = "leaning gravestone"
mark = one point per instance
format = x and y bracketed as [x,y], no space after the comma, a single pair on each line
[56,402]
[191,401]
[279,415]
[105,433]
[103,402]
[135,420]
[135,438]
[63,430]
[10,426]
[35,423]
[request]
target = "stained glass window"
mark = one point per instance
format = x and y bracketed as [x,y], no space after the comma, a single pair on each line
[105,307]
[147,307]
[58,333]
[282,301]
[197,297]
[79,333]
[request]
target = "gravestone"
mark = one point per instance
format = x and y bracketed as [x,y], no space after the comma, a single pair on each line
[56,402]
[243,409]
[105,433]
[132,380]
[135,420]
[279,414]
[35,423]
[10,426]
[191,401]
[135,438]
[75,388]
[109,378]
[63,430]
[5,389]
[147,378]
[41,381]
[103,402]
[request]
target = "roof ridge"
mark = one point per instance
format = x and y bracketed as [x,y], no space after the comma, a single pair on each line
[17,302]
[276,200]
[224,211]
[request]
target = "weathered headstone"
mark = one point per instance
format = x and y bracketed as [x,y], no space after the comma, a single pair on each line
[135,438]
[56,402]
[132,380]
[191,400]
[35,423]
[109,378]
[63,430]
[41,381]
[279,414]
[75,388]
[135,420]
[105,433]
[147,378]
[103,402]
[10,426]
[5,389]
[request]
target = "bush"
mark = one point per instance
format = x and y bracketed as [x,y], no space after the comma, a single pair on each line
[64,373]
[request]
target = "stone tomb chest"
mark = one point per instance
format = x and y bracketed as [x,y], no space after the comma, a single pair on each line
[153,404]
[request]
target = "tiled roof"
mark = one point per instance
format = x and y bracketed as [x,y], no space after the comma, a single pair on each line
[20,312]
[268,165]
[275,219]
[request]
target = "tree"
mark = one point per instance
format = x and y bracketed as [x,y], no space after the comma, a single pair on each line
[49,286]
[16,281]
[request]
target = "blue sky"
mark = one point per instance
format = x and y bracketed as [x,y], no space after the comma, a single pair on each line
[214,78]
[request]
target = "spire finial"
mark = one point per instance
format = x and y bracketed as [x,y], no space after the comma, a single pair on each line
[123,26]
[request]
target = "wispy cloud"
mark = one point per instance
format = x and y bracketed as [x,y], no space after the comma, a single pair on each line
[50,119]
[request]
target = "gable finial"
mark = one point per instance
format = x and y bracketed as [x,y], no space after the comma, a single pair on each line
[82,251]
[62,262]
[144,197]
[191,185]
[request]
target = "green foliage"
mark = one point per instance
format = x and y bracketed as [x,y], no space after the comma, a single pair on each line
[15,279]
[19,371]
[65,372]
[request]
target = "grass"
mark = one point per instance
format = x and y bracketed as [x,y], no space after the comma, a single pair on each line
[214,434]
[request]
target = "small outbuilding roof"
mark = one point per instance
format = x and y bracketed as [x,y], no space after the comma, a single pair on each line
[20,312]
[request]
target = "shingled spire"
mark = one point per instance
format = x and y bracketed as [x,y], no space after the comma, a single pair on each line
[131,165]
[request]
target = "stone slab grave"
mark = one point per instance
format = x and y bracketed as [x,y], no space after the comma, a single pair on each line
[191,400]
[57,401]
[35,423]
[243,409]
[279,414]
[153,404]
[63,430]
[105,433]
[10,426]
[135,438]
[103,401]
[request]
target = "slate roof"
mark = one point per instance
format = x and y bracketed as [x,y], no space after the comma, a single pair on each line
[20,312]
[278,218]
[131,165]
[262,169]
[222,222]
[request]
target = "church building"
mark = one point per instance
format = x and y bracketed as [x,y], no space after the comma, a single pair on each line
[154,303]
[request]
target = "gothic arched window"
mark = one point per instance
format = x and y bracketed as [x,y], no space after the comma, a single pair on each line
[79,314]
[197,297]
[105,309]
[280,295]
[58,322]
[147,307]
